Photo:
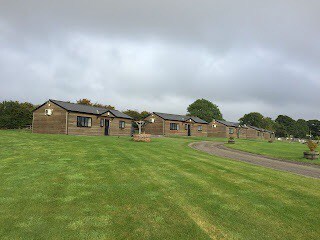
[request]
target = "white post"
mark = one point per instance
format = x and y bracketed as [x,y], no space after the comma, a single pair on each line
[140,124]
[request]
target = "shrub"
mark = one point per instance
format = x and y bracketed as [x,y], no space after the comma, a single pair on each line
[312,145]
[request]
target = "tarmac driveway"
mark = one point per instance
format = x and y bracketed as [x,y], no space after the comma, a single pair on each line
[218,149]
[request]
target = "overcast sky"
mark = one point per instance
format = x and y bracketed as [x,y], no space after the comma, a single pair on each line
[162,55]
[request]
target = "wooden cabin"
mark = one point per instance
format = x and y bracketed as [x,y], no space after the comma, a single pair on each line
[269,135]
[259,133]
[253,132]
[59,117]
[225,129]
[174,125]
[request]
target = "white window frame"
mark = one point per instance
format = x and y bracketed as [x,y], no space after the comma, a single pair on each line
[176,128]
[122,124]
[84,123]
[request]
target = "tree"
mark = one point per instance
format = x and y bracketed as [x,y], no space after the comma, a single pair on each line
[144,114]
[254,119]
[205,110]
[15,115]
[280,131]
[136,115]
[301,129]
[85,101]
[269,124]
[288,125]
[103,106]
[314,127]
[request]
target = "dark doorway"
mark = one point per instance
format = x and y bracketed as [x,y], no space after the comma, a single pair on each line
[106,127]
[189,130]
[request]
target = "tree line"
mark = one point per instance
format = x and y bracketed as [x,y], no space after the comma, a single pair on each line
[283,126]
[14,115]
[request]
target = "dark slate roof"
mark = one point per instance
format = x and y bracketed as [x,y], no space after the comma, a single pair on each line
[180,118]
[75,107]
[229,124]
[256,128]
[197,120]
[119,114]
[268,131]
[265,130]
[260,129]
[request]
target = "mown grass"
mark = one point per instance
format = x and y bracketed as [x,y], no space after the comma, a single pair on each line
[283,150]
[72,187]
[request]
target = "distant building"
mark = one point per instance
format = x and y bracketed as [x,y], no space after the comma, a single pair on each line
[259,133]
[225,129]
[175,125]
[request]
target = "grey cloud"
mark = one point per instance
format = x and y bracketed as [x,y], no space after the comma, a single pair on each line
[162,55]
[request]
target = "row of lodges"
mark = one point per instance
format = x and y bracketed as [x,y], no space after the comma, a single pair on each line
[59,117]
[181,125]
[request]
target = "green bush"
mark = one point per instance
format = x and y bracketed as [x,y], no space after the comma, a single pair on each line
[15,115]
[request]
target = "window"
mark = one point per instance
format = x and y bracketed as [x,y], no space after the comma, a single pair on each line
[231,130]
[258,134]
[101,122]
[174,126]
[199,128]
[84,121]
[186,127]
[122,124]
[214,125]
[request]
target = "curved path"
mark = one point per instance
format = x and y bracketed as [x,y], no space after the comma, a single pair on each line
[218,149]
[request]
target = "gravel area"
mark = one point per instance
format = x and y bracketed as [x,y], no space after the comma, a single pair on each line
[218,149]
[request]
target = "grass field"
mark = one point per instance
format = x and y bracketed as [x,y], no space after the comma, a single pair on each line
[72,187]
[282,150]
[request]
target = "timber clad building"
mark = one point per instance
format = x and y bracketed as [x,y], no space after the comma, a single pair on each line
[219,128]
[60,117]
[175,125]
[259,133]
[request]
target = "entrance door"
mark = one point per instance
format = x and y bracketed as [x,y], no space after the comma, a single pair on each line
[189,130]
[106,127]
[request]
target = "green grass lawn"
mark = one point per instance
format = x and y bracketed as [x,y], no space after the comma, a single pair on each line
[72,187]
[282,150]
